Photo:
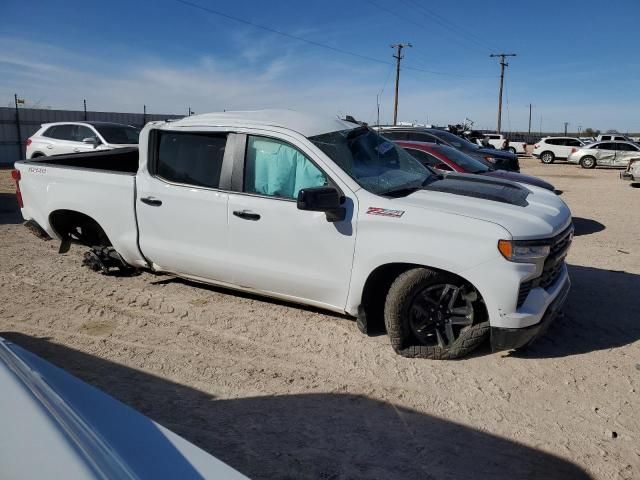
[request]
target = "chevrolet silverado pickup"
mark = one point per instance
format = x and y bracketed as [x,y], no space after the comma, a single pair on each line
[317,211]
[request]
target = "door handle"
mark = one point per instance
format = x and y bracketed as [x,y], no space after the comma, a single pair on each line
[246,215]
[76,149]
[49,146]
[154,202]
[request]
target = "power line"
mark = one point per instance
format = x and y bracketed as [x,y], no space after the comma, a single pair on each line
[421,26]
[305,40]
[448,24]
[279,32]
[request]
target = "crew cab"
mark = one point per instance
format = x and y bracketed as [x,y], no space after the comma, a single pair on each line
[497,140]
[321,212]
[613,137]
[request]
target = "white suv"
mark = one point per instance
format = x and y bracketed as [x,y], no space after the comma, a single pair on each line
[75,137]
[550,149]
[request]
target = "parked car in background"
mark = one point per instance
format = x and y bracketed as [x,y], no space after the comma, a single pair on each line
[605,154]
[615,137]
[587,140]
[499,159]
[632,172]
[498,140]
[550,149]
[442,260]
[56,426]
[448,159]
[75,137]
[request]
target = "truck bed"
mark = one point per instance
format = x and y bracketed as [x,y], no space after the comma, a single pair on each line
[100,185]
[121,160]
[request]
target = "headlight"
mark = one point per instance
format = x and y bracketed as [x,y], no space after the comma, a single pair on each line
[523,251]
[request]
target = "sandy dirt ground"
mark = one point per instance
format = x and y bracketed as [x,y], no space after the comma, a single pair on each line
[279,391]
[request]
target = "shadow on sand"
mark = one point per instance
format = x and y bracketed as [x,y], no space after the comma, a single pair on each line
[586,226]
[311,436]
[601,312]
[9,210]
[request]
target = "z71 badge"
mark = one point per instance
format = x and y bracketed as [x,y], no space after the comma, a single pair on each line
[385,212]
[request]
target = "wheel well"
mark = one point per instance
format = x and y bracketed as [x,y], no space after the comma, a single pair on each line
[548,151]
[78,228]
[377,285]
[37,154]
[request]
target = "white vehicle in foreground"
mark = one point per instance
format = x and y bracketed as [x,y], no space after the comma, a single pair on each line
[550,149]
[56,426]
[76,137]
[498,140]
[317,211]
[632,172]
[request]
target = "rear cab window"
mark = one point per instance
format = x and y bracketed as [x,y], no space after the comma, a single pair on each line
[189,158]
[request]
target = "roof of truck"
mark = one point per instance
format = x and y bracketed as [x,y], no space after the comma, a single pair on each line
[307,124]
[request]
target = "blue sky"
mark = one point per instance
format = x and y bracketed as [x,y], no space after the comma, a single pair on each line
[577,62]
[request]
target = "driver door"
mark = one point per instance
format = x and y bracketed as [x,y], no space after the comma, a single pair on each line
[275,248]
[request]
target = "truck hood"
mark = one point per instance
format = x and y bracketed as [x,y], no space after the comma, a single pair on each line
[526,212]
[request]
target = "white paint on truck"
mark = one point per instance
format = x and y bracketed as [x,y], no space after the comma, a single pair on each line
[231,236]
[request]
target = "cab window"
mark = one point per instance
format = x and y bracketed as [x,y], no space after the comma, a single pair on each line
[190,158]
[276,169]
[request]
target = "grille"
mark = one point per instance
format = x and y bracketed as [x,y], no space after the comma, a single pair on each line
[552,266]
[523,293]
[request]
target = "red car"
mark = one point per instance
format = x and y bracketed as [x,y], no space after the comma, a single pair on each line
[445,158]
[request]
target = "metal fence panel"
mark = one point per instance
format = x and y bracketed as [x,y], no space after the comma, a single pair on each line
[12,148]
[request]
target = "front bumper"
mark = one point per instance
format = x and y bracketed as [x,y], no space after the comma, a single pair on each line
[512,338]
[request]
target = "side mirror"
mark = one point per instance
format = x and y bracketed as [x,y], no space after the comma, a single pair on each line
[322,199]
[93,140]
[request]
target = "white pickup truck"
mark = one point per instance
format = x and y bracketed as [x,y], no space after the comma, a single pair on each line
[321,212]
[498,140]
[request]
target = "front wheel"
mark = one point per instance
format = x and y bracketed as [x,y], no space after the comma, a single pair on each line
[547,157]
[512,150]
[434,315]
[588,162]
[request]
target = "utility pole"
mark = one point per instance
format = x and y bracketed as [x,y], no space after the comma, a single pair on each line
[85,109]
[529,119]
[398,57]
[144,115]
[503,64]
[565,128]
[19,131]
[579,129]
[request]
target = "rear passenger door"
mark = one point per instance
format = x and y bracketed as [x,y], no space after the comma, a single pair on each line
[605,153]
[181,203]
[276,248]
[63,140]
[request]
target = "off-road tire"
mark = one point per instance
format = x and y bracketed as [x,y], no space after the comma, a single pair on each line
[547,158]
[401,293]
[588,162]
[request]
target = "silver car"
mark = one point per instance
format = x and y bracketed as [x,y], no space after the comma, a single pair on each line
[609,154]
